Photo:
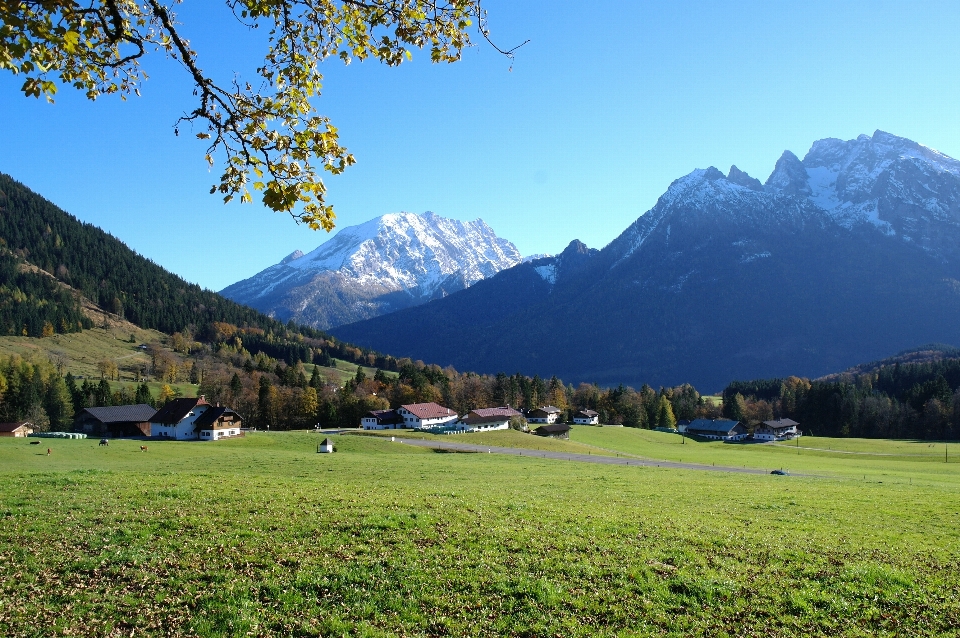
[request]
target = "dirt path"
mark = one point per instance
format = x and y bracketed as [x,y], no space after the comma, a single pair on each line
[568,456]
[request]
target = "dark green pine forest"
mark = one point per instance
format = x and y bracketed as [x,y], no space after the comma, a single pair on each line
[34,305]
[108,273]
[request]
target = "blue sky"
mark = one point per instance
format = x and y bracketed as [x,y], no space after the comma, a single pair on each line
[602,110]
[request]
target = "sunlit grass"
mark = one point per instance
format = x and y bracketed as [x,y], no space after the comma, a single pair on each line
[262,536]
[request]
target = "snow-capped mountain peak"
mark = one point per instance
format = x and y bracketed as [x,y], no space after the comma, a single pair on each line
[400,259]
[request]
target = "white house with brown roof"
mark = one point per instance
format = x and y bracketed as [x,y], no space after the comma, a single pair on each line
[425,415]
[486,419]
[218,423]
[177,419]
[779,430]
[546,414]
[19,429]
[586,417]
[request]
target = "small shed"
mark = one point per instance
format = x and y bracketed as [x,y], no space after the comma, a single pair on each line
[19,429]
[326,447]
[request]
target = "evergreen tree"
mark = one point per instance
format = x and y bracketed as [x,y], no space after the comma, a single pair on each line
[58,404]
[665,418]
[143,395]
[735,408]
[103,394]
[236,386]
[361,376]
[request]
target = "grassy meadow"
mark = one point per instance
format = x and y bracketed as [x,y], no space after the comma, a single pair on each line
[84,350]
[262,536]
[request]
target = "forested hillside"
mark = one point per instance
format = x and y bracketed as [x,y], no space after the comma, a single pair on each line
[107,272]
[32,304]
[896,400]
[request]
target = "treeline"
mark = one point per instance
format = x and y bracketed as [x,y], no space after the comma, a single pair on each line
[285,396]
[920,400]
[35,392]
[34,305]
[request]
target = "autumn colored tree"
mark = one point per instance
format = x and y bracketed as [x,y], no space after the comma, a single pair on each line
[166,394]
[270,136]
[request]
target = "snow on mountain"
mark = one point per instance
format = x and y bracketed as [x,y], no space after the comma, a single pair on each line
[393,261]
[843,256]
[405,251]
[890,183]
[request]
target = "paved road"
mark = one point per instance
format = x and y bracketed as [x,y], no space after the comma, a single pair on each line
[568,456]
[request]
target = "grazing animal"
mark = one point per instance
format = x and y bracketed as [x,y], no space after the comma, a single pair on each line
[104,442]
[143,448]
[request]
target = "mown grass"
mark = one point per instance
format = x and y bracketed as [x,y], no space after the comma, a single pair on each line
[870,458]
[262,536]
[500,438]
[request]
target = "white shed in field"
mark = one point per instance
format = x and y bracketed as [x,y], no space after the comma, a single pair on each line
[326,446]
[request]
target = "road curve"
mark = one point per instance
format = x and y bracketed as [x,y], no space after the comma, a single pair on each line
[569,456]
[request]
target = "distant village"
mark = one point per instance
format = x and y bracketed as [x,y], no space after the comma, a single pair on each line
[194,419]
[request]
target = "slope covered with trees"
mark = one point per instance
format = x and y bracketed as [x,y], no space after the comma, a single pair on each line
[899,400]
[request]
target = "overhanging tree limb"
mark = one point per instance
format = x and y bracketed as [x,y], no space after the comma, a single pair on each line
[270,139]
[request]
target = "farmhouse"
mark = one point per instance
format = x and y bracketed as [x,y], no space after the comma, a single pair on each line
[557,431]
[425,415]
[586,417]
[485,419]
[382,420]
[177,419]
[545,414]
[217,423]
[720,429]
[779,430]
[117,421]
[19,429]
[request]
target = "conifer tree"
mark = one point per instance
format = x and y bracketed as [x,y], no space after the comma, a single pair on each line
[665,418]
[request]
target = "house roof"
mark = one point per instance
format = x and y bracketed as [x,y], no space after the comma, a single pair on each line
[494,412]
[428,410]
[780,423]
[557,428]
[210,416]
[549,409]
[176,410]
[139,413]
[13,427]
[327,441]
[384,416]
[476,420]
[719,425]
[587,413]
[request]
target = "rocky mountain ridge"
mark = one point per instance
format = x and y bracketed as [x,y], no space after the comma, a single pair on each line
[842,257]
[391,262]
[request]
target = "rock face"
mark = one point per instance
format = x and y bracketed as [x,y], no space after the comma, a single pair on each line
[392,262]
[846,256]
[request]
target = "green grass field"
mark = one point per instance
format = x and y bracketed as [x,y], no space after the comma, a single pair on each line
[872,459]
[84,350]
[344,370]
[503,438]
[262,536]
